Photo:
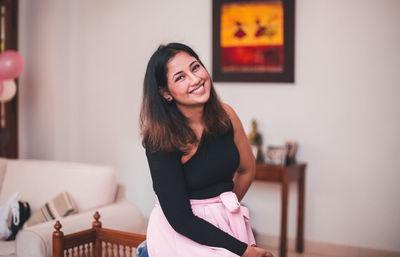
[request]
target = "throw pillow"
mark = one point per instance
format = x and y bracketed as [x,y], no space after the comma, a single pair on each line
[61,206]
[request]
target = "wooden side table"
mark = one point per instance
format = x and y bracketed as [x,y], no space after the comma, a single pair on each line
[285,175]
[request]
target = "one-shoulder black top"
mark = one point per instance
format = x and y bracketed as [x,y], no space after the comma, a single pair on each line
[208,173]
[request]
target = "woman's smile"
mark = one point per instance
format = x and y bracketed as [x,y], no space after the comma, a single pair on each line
[198,90]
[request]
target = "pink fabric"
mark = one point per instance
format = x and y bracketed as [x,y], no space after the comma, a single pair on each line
[223,211]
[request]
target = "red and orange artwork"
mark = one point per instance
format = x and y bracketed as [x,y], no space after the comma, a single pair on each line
[252,37]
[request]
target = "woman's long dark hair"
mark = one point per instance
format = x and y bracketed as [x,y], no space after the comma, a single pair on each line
[163,126]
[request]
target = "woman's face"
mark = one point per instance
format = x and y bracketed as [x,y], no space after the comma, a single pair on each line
[188,81]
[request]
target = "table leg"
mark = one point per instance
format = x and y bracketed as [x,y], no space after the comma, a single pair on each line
[285,192]
[300,213]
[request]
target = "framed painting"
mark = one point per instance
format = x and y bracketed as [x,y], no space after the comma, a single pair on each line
[253,40]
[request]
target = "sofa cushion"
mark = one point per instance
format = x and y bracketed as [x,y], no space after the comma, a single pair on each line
[37,181]
[7,248]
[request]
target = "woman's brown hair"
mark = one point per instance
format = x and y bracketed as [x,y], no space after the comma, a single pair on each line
[163,127]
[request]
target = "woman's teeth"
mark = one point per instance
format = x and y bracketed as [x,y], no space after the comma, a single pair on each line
[198,89]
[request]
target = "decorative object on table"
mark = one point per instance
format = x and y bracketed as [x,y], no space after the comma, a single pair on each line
[256,141]
[253,41]
[276,155]
[291,149]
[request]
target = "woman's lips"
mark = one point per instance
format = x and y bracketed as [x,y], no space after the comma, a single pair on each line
[198,90]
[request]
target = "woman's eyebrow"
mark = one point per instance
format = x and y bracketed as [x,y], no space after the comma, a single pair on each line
[176,73]
[192,63]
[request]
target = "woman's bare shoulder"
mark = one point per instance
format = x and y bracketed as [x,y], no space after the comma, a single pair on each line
[232,115]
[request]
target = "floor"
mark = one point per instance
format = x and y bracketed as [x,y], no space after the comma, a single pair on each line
[294,254]
[362,252]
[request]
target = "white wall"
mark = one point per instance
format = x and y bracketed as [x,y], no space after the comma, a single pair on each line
[81,88]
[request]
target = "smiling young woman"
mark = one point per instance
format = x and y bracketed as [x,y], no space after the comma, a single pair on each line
[188,82]
[200,161]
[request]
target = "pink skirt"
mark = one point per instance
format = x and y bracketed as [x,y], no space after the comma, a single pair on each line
[223,211]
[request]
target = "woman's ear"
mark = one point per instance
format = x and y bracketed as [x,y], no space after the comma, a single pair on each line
[165,94]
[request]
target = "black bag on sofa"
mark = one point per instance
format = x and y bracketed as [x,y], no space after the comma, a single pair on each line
[24,214]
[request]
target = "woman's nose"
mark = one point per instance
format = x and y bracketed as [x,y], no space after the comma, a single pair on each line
[194,79]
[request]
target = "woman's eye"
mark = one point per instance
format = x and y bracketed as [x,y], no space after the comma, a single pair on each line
[196,67]
[178,78]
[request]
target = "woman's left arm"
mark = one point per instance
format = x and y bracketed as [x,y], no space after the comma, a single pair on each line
[247,168]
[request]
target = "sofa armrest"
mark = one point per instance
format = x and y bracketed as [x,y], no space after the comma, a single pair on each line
[36,241]
[121,193]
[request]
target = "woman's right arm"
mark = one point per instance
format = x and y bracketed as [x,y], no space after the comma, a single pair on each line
[170,187]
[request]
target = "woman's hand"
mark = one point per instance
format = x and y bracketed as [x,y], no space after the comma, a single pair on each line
[253,251]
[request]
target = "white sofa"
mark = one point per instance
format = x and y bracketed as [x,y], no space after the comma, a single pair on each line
[91,187]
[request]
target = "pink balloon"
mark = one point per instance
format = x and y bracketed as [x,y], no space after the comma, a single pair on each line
[11,64]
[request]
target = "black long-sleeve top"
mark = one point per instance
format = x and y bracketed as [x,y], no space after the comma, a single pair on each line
[208,173]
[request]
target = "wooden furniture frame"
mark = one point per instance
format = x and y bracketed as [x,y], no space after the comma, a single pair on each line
[9,133]
[285,175]
[95,242]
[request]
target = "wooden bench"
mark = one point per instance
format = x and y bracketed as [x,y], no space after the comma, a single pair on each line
[95,242]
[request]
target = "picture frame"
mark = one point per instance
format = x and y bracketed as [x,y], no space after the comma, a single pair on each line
[276,155]
[253,41]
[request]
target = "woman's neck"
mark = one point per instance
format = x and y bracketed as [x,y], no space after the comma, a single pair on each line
[193,113]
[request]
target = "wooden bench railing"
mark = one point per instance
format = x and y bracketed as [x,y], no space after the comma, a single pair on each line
[95,242]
